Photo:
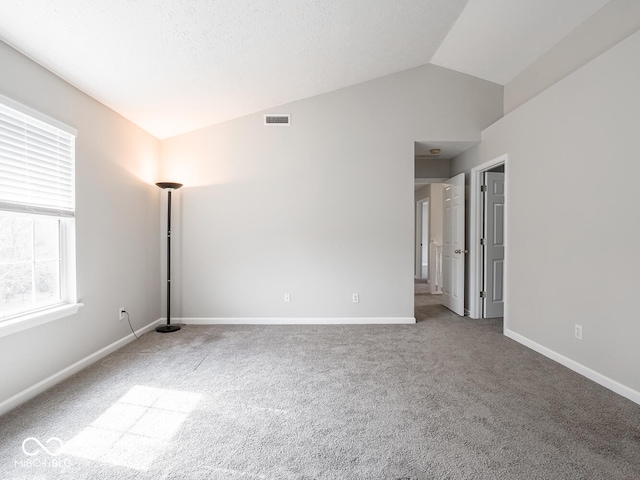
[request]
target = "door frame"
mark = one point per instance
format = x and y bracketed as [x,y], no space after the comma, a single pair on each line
[475,234]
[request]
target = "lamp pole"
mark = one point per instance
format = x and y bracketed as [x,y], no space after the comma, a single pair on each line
[169,187]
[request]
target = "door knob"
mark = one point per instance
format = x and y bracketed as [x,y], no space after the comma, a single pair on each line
[458,251]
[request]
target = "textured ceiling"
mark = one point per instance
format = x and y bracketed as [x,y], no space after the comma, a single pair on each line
[172,66]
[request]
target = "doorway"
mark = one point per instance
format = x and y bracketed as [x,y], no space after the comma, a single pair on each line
[422,252]
[428,237]
[488,240]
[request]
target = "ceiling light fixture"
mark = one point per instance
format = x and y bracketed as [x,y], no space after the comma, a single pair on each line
[435,151]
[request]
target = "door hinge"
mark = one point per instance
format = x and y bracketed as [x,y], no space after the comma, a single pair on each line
[483,294]
[483,241]
[483,188]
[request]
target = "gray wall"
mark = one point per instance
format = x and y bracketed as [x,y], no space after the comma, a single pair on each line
[432,168]
[321,209]
[117,228]
[572,226]
[607,27]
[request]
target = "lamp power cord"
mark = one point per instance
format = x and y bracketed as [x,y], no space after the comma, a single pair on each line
[129,321]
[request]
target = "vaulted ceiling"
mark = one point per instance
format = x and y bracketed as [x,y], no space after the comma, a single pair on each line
[172,66]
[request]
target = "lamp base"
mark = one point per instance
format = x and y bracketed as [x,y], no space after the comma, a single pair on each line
[167,328]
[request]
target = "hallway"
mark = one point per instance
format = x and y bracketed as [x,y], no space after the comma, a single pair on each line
[429,306]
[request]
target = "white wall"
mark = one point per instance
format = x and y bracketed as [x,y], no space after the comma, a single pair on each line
[117,225]
[321,209]
[573,225]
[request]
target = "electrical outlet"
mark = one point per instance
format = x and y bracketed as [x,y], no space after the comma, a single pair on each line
[121,311]
[287,298]
[578,331]
[356,298]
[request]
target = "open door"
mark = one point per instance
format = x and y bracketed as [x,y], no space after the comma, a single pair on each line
[493,245]
[453,250]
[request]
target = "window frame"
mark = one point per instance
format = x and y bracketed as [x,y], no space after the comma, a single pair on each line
[68,293]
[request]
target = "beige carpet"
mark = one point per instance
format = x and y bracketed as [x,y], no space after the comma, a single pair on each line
[447,398]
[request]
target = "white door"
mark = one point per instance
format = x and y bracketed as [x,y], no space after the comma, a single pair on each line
[453,245]
[494,245]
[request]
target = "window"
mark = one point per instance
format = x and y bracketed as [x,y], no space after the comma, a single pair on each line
[37,209]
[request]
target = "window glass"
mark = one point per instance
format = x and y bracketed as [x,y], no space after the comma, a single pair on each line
[29,262]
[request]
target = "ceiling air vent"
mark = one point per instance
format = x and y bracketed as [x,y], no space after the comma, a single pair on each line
[277,119]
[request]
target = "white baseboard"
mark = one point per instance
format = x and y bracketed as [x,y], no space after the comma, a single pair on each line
[606,382]
[297,321]
[49,382]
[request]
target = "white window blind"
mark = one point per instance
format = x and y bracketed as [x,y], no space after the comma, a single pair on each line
[36,162]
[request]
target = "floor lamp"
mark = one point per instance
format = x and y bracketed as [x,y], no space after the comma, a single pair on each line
[169,187]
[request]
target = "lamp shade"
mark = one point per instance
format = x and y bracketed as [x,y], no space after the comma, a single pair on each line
[169,185]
